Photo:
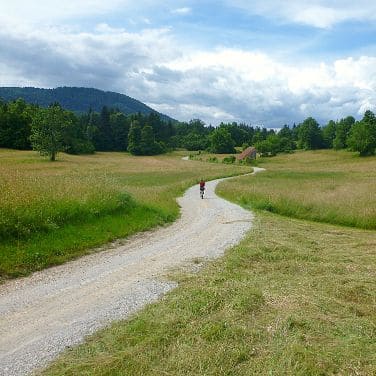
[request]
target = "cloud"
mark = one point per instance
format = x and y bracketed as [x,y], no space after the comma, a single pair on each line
[50,11]
[221,84]
[104,58]
[182,11]
[253,87]
[318,13]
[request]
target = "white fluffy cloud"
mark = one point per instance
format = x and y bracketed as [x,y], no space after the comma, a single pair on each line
[182,11]
[217,85]
[254,87]
[317,13]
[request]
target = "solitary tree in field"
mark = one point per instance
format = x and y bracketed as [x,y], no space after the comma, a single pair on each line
[47,130]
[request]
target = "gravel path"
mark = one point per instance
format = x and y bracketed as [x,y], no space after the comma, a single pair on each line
[43,314]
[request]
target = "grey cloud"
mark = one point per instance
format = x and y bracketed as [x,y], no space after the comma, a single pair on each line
[137,65]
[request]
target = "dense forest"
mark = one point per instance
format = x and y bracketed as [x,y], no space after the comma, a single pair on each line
[77,99]
[53,129]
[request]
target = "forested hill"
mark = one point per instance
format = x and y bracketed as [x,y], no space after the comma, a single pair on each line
[78,99]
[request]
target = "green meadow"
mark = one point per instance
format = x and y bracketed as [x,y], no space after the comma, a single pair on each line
[54,212]
[296,297]
[323,186]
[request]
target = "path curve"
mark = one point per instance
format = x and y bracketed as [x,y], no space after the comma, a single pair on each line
[42,314]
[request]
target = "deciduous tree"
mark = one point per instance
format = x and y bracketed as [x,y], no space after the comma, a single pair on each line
[363,135]
[221,141]
[47,130]
[309,134]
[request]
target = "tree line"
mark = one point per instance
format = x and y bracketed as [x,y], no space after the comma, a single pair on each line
[50,130]
[346,133]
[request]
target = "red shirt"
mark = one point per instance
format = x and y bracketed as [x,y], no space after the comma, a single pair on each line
[202,184]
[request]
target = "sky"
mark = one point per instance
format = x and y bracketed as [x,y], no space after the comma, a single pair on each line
[261,62]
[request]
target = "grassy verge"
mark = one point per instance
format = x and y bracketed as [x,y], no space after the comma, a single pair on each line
[294,298]
[324,186]
[41,250]
[53,212]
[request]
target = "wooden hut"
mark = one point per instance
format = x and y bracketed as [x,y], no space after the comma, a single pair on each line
[250,153]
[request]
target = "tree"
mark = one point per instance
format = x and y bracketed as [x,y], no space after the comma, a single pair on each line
[194,141]
[264,147]
[309,134]
[134,138]
[285,131]
[15,124]
[270,146]
[238,134]
[286,139]
[257,136]
[148,144]
[329,134]
[76,138]
[286,144]
[103,137]
[47,130]
[120,126]
[221,141]
[343,129]
[362,136]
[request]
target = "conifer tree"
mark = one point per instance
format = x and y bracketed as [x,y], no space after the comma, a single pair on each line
[147,140]
[134,138]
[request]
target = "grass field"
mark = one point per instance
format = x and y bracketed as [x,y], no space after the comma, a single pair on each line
[324,186]
[295,297]
[53,212]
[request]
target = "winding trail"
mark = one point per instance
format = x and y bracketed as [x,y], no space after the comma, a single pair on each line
[43,314]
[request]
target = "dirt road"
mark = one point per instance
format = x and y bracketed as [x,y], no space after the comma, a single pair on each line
[42,314]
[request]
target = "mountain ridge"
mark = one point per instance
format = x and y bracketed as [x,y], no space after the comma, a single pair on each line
[79,99]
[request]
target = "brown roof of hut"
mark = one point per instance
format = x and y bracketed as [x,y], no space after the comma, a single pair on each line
[250,152]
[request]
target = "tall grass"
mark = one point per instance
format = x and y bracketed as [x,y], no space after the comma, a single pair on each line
[48,211]
[325,186]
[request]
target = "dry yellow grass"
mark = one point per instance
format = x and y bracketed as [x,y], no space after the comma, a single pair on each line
[25,178]
[329,186]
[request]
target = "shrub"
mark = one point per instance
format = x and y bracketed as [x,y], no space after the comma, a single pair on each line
[229,160]
[213,160]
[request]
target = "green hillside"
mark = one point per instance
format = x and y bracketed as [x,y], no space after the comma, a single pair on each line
[78,99]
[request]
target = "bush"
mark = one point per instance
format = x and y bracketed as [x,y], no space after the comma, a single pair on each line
[213,160]
[80,147]
[229,160]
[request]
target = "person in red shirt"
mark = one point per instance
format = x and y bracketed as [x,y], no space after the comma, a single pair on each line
[202,188]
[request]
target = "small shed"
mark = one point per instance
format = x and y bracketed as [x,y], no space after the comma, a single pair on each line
[250,153]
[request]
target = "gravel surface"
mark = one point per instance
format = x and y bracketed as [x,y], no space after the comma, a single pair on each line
[43,314]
